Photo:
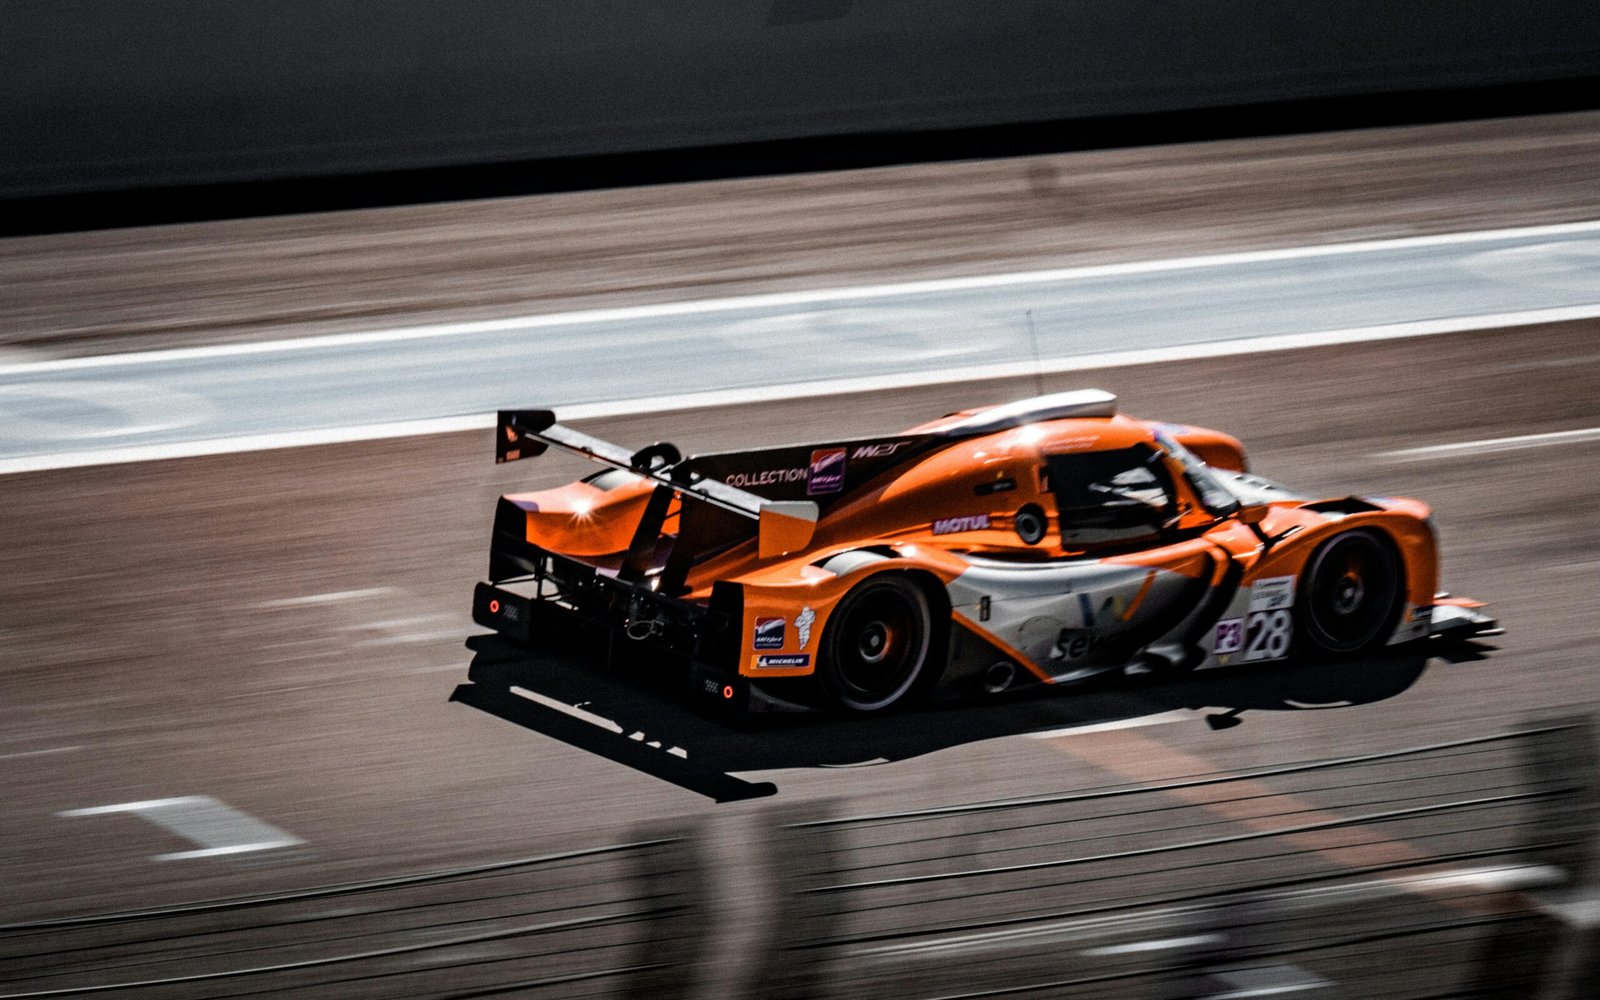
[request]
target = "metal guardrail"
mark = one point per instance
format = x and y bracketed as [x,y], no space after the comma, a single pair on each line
[1461,869]
[1414,873]
[620,919]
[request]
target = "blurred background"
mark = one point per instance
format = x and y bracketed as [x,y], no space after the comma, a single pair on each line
[267,269]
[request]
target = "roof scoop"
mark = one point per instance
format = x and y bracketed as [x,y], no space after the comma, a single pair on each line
[1055,406]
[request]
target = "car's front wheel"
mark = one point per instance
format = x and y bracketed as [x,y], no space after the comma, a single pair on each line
[1350,593]
[878,645]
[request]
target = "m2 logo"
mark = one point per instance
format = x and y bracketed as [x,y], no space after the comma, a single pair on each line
[883,450]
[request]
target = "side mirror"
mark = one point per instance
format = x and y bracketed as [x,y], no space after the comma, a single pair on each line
[1254,513]
[1251,515]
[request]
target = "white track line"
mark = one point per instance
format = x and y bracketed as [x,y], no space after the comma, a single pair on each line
[802,390]
[38,753]
[1495,444]
[1137,722]
[218,828]
[784,299]
[330,597]
[217,852]
[565,709]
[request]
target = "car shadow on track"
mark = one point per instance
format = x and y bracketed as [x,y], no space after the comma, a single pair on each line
[640,717]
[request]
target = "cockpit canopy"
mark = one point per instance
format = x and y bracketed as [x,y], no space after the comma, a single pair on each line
[1129,495]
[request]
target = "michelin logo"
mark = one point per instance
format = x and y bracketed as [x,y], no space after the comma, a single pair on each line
[802,625]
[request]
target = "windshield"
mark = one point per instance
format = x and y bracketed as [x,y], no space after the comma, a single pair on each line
[1117,497]
[1213,495]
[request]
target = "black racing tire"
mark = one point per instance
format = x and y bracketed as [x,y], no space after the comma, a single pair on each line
[1350,594]
[877,650]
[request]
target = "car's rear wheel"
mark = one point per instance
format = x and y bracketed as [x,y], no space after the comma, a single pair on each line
[878,645]
[1350,593]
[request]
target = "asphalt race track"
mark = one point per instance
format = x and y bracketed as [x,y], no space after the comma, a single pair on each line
[281,633]
[282,630]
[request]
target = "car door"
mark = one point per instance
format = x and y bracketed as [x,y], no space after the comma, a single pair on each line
[1122,578]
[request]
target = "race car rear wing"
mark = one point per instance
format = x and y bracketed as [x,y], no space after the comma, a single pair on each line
[782,526]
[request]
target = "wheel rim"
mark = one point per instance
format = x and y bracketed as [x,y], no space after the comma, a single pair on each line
[1351,592]
[881,645]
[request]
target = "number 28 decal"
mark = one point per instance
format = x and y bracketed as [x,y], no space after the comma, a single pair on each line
[1267,634]
[1264,635]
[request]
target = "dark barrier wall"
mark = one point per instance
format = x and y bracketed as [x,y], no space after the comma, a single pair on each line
[106,94]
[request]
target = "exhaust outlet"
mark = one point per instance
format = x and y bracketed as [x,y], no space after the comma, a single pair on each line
[999,676]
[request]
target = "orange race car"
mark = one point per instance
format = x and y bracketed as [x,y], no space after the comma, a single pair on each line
[1041,541]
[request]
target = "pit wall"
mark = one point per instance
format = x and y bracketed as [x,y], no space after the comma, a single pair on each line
[100,96]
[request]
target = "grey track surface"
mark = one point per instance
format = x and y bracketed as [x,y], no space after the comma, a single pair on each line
[115,402]
[152,643]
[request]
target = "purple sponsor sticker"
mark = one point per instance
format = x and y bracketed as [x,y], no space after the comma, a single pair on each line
[1230,636]
[769,633]
[827,471]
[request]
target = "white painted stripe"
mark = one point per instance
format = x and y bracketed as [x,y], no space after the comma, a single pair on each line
[217,852]
[811,297]
[125,807]
[245,443]
[438,635]
[389,624]
[1488,445]
[1137,722]
[800,390]
[218,828]
[330,597]
[565,709]
[38,753]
